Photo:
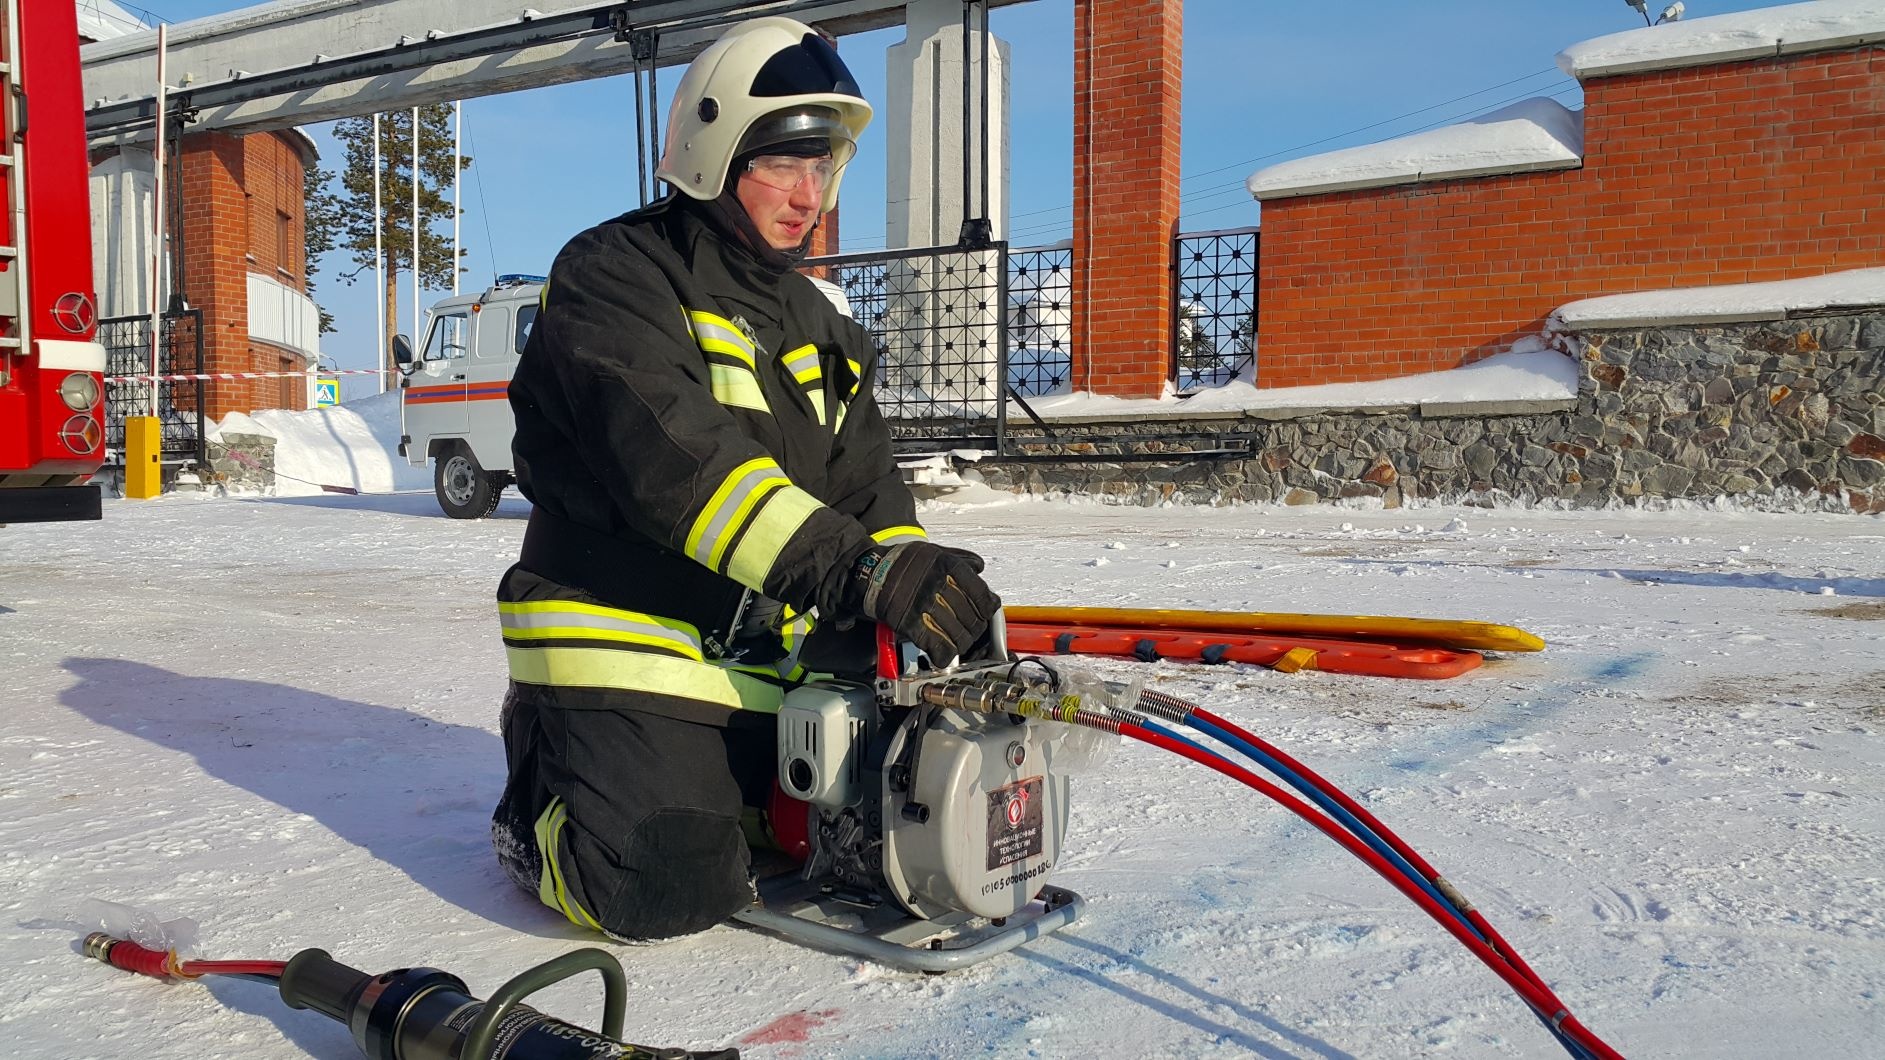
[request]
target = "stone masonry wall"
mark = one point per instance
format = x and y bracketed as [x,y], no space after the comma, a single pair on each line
[1786,414]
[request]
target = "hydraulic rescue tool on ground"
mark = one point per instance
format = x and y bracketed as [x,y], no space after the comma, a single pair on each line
[927,808]
[424,1013]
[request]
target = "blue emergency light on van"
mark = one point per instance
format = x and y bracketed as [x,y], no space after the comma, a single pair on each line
[518,279]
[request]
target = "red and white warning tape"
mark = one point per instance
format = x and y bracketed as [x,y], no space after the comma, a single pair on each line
[244,375]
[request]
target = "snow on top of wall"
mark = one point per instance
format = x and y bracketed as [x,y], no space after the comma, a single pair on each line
[1726,302]
[1753,34]
[1528,372]
[1531,134]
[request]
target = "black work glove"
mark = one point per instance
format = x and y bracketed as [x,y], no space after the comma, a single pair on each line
[932,596]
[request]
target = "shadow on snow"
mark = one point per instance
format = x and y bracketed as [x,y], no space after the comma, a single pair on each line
[414,792]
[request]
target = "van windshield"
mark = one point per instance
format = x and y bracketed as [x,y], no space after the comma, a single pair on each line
[451,333]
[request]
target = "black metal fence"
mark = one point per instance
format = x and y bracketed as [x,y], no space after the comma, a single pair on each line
[1040,319]
[961,333]
[935,314]
[1214,301]
[127,342]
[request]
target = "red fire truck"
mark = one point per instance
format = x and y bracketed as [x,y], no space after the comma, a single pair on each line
[52,429]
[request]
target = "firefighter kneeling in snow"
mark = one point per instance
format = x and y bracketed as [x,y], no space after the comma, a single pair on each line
[715,505]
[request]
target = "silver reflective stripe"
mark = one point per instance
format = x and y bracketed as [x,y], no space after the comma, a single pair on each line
[784,511]
[727,509]
[557,620]
[803,364]
[718,335]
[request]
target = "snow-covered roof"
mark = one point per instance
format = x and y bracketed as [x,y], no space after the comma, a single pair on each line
[104,20]
[1528,135]
[1757,34]
[1725,303]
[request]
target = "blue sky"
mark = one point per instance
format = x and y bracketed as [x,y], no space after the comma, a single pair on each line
[1264,81]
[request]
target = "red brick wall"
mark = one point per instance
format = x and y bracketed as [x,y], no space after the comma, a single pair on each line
[276,206]
[1730,173]
[824,237]
[233,189]
[1128,65]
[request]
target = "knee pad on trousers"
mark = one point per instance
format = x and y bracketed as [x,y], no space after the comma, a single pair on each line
[683,871]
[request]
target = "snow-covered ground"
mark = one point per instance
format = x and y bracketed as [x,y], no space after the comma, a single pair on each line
[277,717]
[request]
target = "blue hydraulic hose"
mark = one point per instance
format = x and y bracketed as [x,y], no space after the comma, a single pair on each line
[1336,810]
[1173,734]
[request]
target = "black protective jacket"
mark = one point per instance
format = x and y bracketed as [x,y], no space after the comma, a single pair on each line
[694,420]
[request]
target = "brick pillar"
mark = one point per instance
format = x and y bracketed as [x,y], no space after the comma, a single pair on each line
[215,272]
[1126,100]
[825,236]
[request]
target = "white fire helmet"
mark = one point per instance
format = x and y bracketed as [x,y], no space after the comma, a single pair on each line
[763,82]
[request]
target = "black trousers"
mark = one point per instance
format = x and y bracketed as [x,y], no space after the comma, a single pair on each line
[651,847]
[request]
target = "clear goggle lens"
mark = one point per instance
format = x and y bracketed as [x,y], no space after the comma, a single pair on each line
[786,172]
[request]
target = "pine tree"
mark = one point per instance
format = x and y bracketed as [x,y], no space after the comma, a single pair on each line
[340,210]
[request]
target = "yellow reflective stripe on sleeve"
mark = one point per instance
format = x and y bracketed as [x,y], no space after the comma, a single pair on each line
[772,526]
[714,521]
[642,672]
[890,535]
[571,620]
[551,890]
[755,497]
[818,405]
[857,373]
[736,387]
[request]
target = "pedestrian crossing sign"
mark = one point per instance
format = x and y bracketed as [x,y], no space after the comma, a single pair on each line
[326,392]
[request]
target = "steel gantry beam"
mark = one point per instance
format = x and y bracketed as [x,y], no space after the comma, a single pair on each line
[302,61]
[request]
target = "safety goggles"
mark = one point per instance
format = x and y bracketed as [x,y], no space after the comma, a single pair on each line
[787,172]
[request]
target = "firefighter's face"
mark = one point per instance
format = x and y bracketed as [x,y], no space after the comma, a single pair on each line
[784,216]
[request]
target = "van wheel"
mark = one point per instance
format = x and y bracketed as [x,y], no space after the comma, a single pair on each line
[465,490]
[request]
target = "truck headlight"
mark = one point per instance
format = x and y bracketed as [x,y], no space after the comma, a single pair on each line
[79,391]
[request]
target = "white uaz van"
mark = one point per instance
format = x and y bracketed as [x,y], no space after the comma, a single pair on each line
[455,409]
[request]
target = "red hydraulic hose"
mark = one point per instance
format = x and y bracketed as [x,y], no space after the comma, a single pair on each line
[192,969]
[161,964]
[1540,999]
[1387,835]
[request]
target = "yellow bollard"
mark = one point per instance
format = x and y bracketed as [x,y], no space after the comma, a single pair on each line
[143,445]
